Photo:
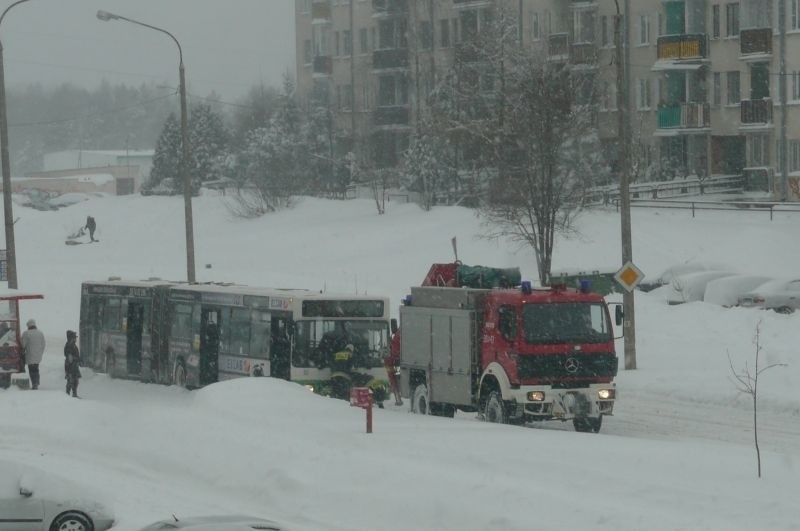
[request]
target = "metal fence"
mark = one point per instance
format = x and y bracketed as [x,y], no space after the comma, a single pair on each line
[695,205]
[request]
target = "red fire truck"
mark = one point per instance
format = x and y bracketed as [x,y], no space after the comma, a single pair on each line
[511,354]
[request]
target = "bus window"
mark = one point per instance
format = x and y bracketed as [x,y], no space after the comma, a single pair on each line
[259,334]
[181,321]
[239,342]
[111,314]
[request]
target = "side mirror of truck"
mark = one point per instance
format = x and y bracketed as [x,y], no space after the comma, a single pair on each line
[393,325]
[619,315]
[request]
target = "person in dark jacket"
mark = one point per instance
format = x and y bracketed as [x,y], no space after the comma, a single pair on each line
[72,360]
[91,225]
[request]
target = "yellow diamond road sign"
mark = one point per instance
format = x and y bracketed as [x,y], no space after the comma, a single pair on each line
[629,276]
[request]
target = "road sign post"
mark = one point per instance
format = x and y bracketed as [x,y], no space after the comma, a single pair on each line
[629,276]
[362,397]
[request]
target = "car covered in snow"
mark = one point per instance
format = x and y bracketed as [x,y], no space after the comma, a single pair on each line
[727,290]
[31,500]
[167,186]
[215,523]
[783,296]
[691,287]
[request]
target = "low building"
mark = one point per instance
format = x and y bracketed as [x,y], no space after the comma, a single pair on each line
[114,180]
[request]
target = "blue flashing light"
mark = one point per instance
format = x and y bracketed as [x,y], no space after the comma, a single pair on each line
[527,287]
[407,300]
[585,285]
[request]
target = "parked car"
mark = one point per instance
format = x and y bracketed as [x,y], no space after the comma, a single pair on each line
[727,290]
[692,286]
[783,296]
[31,500]
[216,523]
[676,270]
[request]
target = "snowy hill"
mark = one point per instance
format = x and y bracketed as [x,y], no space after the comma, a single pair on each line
[678,453]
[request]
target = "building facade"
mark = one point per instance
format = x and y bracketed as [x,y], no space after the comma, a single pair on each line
[703,77]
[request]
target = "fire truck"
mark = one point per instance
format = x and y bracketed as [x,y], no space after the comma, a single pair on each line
[513,355]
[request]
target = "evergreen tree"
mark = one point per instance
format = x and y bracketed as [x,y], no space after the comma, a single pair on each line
[168,153]
[208,140]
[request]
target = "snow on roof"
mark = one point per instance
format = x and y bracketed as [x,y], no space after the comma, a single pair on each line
[97,179]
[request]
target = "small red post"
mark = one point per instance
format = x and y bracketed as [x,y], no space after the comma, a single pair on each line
[362,397]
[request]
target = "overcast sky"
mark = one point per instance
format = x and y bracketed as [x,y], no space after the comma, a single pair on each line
[228,45]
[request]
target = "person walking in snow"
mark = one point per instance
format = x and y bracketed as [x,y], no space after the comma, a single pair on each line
[33,349]
[91,225]
[72,360]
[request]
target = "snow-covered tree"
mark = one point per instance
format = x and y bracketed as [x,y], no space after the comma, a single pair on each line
[208,139]
[168,153]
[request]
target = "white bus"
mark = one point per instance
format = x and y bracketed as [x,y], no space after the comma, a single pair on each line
[195,334]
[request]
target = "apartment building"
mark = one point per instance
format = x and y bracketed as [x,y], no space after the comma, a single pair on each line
[703,76]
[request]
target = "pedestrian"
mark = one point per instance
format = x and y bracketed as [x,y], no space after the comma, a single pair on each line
[91,225]
[72,360]
[33,349]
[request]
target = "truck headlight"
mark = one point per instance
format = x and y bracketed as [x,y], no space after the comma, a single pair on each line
[309,387]
[607,394]
[536,396]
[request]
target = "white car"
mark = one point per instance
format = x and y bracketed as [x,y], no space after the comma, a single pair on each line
[726,291]
[691,287]
[31,500]
[216,523]
[783,296]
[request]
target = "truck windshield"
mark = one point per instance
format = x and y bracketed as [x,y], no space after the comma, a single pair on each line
[316,341]
[566,322]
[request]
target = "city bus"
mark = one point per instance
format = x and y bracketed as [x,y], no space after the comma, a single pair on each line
[192,335]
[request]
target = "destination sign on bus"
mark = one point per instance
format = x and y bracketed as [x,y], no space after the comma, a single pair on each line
[343,308]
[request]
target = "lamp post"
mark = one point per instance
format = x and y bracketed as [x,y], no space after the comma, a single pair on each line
[105,16]
[8,213]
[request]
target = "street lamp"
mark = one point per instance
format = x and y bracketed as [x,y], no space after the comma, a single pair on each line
[105,16]
[8,214]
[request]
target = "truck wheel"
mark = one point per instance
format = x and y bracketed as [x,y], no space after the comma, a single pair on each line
[419,402]
[588,424]
[495,410]
[443,410]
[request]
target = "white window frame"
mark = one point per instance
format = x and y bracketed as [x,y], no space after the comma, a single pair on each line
[536,30]
[643,94]
[644,30]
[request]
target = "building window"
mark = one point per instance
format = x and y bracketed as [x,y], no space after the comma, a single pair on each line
[455,32]
[536,32]
[426,34]
[795,15]
[732,20]
[794,155]
[305,7]
[715,21]
[794,95]
[307,51]
[347,36]
[759,150]
[643,94]
[444,33]
[733,88]
[336,47]
[644,29]
[604,31]
[362,37]
[584,26]
[717,88]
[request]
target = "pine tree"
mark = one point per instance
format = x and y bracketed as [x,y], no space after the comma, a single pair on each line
[208,139]
[168,153]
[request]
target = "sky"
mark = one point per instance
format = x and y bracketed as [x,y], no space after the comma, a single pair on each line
[228,46]
[677,454]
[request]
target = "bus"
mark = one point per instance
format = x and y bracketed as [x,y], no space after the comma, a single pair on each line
[192,335]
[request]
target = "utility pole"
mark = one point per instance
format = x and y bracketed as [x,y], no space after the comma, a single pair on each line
[783,155]
[352,84]
[629,326]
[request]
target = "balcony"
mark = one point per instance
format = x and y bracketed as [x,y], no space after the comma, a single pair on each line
[757,111]
[393,58]
[558,46]
[389,8]
[321,11]
[682,47]
[583,54]
[391,115]
[684,116]
[323,65]
[756,42]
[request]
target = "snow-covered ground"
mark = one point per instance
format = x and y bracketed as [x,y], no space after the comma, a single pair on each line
[678,454]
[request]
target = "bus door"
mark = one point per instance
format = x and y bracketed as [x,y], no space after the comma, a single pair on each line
[209,345]
[280,348]
[91,334]
[135,327]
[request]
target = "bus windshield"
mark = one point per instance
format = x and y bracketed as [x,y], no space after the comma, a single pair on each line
[567,322]
[317,341]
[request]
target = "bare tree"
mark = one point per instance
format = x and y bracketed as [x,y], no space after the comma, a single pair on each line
[746,381]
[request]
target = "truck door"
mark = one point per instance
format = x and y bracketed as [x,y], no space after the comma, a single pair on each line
[280,348]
